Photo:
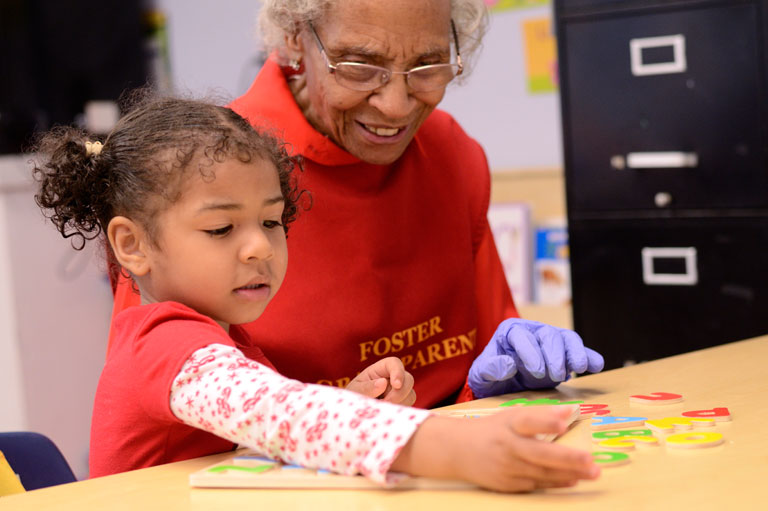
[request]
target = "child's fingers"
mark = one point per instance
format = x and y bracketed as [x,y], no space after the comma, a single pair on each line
[532,420]
[540,473]
[513,485]
[522,484]
[518,475]
[403,395]
[370,388]
[395,371]
[550,456]
[542,485]
[511,473]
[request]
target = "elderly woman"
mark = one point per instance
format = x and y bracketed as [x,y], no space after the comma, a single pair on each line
[396,257]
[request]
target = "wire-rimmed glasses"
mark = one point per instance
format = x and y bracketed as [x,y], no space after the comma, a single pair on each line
[366,77]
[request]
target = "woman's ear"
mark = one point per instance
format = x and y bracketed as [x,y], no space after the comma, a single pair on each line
[295,44]
[129,243]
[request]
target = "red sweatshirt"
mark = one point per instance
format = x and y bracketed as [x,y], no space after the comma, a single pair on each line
[133,426]
[391,260]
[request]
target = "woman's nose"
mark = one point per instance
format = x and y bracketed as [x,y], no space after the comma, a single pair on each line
[256,246]
[393,99]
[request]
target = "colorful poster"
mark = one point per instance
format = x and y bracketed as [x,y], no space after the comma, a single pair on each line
[506,5]
[540,55]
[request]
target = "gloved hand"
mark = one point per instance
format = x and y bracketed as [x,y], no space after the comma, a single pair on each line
[525,354]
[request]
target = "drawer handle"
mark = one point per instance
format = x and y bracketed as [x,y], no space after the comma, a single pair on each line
[653,278]
[676,65]
[662,160]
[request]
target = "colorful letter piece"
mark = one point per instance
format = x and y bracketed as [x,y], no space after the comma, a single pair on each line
[610,459]
[694,440]
[627,443]
[669,424]
[257,469]
[610,422]
[586,409]
[717,414]
[249,458]
[533,402]
[599,436]
[656,398]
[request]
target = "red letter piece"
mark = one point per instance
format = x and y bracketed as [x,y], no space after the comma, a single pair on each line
[718,414]
[656,398]
[593,409]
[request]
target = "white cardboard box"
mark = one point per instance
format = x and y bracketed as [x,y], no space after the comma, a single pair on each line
[512,232]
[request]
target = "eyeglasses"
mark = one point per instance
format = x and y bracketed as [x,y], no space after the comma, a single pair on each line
[365,77]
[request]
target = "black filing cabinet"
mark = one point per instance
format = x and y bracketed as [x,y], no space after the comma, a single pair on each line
[664,136]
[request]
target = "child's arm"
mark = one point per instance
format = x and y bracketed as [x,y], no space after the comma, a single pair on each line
[498,451]
[220,391]
[386,379]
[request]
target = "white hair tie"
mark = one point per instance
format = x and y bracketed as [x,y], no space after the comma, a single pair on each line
[93,149]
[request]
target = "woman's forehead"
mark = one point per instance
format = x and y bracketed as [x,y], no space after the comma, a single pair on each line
[347,20]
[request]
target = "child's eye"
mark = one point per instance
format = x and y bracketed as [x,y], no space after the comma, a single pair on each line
[221,231]
[272,224]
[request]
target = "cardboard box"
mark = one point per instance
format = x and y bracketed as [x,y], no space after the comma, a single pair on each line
[512,232]
[551,266]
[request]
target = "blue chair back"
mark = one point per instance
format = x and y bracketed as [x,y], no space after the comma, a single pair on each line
[36,459]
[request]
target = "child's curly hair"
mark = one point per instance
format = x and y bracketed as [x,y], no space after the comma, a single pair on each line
[143,163]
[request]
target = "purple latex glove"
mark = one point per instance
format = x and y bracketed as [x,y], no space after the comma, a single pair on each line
[525,354]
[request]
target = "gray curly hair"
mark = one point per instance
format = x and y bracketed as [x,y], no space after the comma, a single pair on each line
[280,17]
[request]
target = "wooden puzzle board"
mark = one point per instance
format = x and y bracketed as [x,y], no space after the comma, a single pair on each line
[248,469]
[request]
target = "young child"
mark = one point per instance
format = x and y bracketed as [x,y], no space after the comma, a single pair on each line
[195,204]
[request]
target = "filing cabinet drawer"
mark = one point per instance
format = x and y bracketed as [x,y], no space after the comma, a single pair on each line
[662,108]
[646,289]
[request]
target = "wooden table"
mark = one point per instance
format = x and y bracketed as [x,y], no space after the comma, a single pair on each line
[731,476]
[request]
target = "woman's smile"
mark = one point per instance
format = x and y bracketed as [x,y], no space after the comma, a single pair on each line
[381,134]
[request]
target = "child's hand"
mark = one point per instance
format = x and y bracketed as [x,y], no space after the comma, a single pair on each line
[387,379]
[498,452]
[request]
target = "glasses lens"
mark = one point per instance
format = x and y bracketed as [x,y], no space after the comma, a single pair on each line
[362,77]
[429,78]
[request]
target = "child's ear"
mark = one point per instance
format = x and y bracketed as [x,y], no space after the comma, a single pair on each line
[129,243]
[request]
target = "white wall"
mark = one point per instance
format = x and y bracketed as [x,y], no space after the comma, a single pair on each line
[58,302]
[212,45]
[12,412]
[517,129]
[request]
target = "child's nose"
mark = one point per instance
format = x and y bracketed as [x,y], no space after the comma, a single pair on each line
[257,246]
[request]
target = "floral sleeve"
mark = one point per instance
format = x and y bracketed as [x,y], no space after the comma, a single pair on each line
[222,392]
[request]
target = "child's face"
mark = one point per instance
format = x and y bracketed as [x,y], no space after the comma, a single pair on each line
[221,248]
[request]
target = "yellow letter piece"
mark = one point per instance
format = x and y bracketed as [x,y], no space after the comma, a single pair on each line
[669,424]
[627,443]
[694,440]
